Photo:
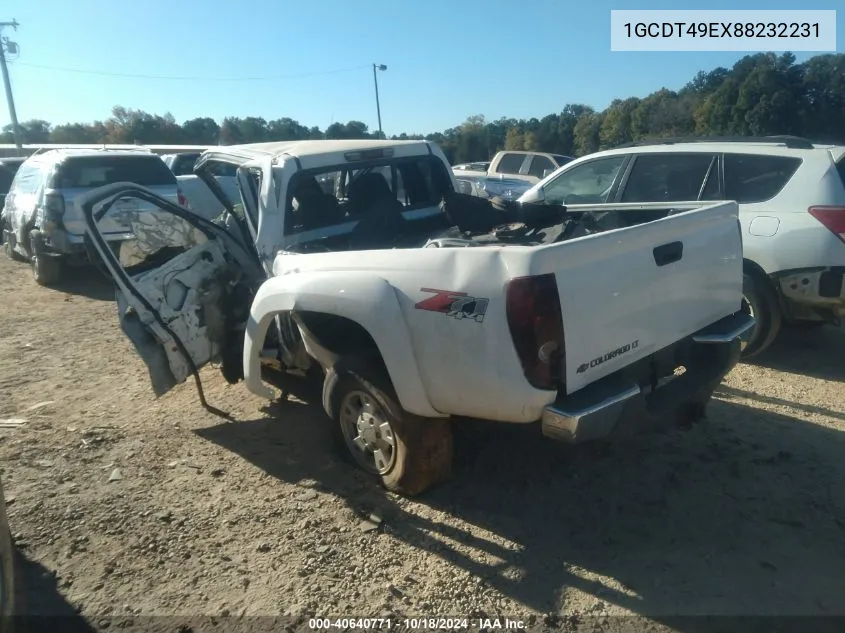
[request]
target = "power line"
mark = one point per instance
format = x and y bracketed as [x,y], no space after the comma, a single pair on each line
[177,78]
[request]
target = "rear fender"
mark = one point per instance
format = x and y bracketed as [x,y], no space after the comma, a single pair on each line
[362,298]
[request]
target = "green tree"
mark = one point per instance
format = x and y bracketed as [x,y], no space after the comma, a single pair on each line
[350,130]
[33,131]
[823,80]
[230,132]
[586,132]
[615,127]
[201,131]
[514,139]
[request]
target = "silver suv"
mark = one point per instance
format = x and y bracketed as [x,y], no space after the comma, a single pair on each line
[43,223]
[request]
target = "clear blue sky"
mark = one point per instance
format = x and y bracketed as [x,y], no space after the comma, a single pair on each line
[311,61]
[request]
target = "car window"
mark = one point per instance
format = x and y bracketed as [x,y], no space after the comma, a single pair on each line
[96,171]
[562,160]
[254,180]
[539,165]
[183,165]
[220,169]
[328,197]
[510,163]
[753,178]
[587,183]
[667,177]
[711,189]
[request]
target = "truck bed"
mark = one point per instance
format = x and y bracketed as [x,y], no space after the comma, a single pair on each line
[630,280]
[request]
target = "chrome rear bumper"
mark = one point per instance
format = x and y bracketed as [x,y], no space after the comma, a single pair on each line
[610,407]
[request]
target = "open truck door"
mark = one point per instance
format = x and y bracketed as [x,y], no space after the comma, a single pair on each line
[184,283]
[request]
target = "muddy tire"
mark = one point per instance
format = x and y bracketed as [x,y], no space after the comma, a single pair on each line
[46,269]
[760,301]
[408,453]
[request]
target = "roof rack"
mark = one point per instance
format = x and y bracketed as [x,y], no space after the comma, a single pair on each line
[794,142]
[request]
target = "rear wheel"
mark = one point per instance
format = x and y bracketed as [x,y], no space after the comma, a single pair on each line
[408,453]
[760,301]
[45,269]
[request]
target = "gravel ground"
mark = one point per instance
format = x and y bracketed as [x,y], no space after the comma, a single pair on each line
[125,507]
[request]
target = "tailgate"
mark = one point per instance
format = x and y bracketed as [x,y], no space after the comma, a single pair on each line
[112,223]
[630,292]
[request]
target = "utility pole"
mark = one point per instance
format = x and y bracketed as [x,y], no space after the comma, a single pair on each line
[12,114]
[376,67]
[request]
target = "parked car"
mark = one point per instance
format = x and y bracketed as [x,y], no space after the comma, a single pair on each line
[414,304]
[508,175]
[482,167]
[791,196]
[201,197]
[8,570]
[530,167]
[181,164]
[42,221]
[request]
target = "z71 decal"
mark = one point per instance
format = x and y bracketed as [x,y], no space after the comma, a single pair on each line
[458,305]
[609,356]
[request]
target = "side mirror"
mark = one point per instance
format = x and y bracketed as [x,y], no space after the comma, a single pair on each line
[536,195]
[547,172]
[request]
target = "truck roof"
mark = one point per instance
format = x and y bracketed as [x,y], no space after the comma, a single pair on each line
[301,149]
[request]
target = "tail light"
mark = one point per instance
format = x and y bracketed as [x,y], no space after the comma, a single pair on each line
[54,206]
[536,327]
[833,219]
[183,201]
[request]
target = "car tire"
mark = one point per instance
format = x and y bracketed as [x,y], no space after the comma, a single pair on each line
[408,453]
[46,269]
[760,301]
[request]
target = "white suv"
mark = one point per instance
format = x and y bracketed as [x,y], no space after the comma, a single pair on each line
[791,196]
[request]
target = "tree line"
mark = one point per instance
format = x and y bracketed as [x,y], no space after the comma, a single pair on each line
[760,95]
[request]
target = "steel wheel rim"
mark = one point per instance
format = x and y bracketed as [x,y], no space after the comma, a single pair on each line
[367,432]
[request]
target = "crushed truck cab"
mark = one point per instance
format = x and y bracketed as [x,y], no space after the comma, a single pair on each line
[355,263]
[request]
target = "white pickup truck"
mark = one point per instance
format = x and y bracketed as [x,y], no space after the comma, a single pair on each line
[509,174]
[357,264]
[522,165]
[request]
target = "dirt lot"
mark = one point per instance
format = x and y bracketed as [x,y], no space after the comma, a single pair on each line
[744,514]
